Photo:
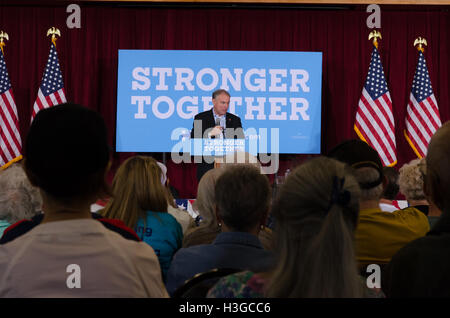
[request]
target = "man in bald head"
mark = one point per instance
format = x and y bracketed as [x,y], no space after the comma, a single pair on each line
[420,269]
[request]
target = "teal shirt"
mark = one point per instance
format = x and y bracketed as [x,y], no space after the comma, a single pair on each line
[3,226]
[164,234]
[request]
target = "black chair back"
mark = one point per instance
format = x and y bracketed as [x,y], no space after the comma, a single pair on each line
[198,285]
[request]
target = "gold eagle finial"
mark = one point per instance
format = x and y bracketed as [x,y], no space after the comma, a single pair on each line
[420,41]
[375,34]
[3,36]
[54,32]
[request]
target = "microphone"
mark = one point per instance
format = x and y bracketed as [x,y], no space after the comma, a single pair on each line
[218,124]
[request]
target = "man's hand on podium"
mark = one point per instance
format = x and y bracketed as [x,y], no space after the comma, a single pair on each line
[216,131]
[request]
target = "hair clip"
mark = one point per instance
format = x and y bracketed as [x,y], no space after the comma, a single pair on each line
[339,195]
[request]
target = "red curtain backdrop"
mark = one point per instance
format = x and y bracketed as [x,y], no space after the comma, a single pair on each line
[88,56]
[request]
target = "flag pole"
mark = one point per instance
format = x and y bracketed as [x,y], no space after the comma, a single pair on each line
[54,32]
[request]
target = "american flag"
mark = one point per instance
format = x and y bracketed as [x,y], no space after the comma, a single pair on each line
[51,92]
[422,118]
[374,119]
[10,142]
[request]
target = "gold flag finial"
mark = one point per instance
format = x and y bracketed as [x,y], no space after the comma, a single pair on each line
[375,34]
[54,32]
[3,36]
[420,41]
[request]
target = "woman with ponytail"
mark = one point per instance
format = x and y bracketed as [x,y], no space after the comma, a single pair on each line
[316,214]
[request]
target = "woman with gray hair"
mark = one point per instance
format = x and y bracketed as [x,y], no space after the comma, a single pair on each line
[411,182]
[18,198]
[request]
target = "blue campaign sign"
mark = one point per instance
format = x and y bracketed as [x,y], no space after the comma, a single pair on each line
[277,96]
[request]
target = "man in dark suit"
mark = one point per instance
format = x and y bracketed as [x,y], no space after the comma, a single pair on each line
[216,123]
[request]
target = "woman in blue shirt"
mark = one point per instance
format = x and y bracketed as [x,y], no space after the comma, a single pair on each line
[140,201]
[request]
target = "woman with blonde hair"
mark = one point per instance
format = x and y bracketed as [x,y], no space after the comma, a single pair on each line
[316,214]
[181,215]
[140,201]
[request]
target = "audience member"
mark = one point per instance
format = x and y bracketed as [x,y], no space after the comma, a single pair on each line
[316,212]
[208,228]
[379,235]
[18,198]
[182,216]
[204,204]
[411,185]
[140,201]
[434,213]
[242,157]
[420,269]
[242,197]
[387,201]
[67,157]
[23,226]
[22,221]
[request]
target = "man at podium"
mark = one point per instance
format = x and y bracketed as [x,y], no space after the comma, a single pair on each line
[216,123]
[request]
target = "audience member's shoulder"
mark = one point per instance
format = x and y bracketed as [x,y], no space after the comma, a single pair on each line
[426,248]
[117,226]
[199,236]
[23,226]
[131,248]
[410,212]
[179,213]
[170,218]
[166,219]
[436,242]
[183,218]
[143,260]
[196,251]
[19,228]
